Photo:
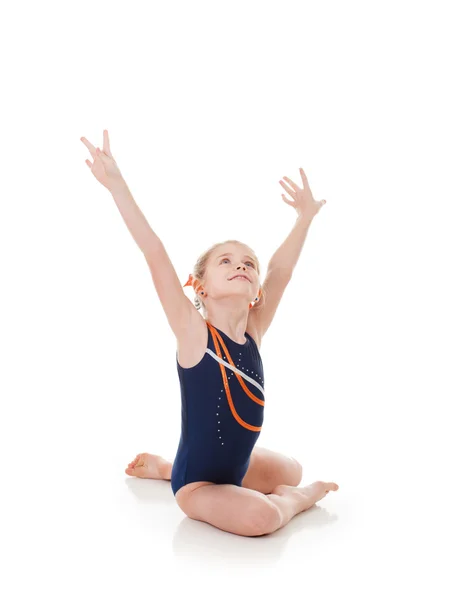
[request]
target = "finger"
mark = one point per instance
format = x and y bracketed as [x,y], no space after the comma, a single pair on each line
[303,177]
[106,143]
[103,156]
[292,184]
[89,163]
[287,201]
[91,147]
[290,191]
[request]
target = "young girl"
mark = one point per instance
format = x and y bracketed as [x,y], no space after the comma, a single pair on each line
[218,476]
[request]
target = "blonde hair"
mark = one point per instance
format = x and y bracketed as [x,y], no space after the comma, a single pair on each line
[199,272]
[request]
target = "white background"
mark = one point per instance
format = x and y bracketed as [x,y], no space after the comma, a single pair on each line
[367,363]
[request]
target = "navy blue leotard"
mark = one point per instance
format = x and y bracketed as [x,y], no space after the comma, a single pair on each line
[219,430]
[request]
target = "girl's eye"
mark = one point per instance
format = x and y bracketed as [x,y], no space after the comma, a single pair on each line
[249,261]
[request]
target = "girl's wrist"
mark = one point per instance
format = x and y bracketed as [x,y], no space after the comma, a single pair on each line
[117,186]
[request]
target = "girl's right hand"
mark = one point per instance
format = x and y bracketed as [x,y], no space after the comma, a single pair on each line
[104,166]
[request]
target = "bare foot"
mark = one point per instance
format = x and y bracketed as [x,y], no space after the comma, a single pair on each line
[312,493]
[150,466]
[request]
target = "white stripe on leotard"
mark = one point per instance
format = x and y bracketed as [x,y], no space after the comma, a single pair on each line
[229,366]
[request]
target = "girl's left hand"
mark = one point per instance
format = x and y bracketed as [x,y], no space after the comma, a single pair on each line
[304,202]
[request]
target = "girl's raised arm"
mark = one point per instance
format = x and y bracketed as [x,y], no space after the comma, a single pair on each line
[178,308]
[106,171]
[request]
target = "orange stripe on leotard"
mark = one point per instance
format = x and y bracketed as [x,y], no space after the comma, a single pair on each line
[216,337]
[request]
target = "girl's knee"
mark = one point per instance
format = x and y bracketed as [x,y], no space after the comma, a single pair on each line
[265,517]
[297,472]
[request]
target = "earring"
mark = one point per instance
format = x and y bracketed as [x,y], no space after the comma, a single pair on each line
[198,303]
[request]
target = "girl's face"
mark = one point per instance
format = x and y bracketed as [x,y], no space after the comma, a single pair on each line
[226,263]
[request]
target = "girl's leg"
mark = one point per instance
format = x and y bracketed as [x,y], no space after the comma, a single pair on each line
[248,512]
